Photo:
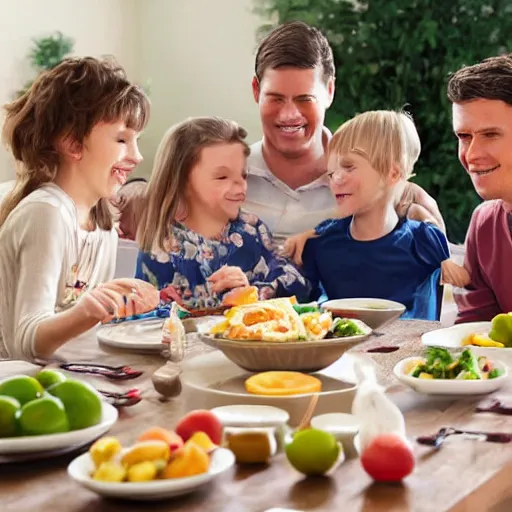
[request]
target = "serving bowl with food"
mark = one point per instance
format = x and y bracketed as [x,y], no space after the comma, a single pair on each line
[442,372]
[279,334]
[376,313]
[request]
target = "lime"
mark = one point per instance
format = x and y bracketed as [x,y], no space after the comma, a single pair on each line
[8,408]
[43,416]
[312,451]
[48,378]
[21,387]
[82,403]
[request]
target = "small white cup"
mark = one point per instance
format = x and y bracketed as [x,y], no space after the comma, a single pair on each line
[344,427]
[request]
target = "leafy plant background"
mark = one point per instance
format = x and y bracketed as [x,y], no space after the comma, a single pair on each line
[392,54]
[47,52]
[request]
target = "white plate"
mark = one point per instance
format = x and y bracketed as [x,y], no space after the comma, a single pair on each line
[450,386]
[212,380]
[251,416]
[34,444]
[374,312]
[133,335]
[81,468]
[452,338]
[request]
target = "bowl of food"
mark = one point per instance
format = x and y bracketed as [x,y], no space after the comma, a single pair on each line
[277,334]
[441,372]
[376,313]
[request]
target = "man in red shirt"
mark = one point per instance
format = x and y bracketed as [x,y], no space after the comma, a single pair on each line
[482,121]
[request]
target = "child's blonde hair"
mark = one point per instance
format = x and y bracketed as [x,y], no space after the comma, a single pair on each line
[177,154]
[385,138]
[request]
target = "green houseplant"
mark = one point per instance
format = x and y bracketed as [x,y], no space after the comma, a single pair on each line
[393,54]
[47,52]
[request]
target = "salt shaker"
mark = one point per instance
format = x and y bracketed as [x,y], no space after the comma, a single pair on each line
[173,335]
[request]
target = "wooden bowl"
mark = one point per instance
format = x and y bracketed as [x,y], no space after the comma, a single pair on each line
[299,356]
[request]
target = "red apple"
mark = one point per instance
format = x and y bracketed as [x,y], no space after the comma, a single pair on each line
[200,421]
[388,458]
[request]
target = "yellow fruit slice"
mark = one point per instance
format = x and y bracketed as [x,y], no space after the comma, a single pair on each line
[189,461]
[104,450]
[282,384]
[203,441]
[146,451]
[110,472]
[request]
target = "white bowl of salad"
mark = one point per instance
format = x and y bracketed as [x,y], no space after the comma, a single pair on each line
[441,372]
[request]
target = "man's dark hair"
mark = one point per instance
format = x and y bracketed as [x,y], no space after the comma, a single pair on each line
[490,79]
[295,44]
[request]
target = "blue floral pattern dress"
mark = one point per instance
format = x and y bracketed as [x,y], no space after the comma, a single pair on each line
[190,259]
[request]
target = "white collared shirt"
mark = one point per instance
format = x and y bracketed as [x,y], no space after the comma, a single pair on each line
[285,211]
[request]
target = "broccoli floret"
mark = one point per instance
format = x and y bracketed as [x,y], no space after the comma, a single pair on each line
[420,368]
[342,327]
[469,362]
[438,356]
[494,373]
[306,308]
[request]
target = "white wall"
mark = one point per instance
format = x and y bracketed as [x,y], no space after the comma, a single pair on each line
[99,27]
[197,54]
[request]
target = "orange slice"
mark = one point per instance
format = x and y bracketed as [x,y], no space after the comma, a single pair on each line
[241,296]
[282,384]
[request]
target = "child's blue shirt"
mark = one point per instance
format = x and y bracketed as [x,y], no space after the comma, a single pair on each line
[403,266]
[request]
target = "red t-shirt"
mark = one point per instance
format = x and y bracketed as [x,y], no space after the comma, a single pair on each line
[488,259]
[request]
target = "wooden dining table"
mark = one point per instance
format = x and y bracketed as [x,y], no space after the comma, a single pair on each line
[464,475]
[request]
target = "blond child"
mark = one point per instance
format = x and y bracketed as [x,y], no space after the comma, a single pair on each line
[368,250]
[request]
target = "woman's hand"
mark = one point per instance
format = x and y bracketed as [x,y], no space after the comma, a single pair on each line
[101,303]
[227,278]
[119,298]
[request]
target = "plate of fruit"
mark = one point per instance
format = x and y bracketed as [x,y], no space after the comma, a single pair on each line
[442,372]
[159,464]
[50,411]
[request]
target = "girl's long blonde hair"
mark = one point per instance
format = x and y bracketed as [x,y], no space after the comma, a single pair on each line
[178,152]
[67,102]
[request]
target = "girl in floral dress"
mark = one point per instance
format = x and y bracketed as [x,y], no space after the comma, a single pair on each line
[196,242]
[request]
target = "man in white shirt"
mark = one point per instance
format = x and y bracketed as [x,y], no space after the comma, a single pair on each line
[294,86]
[287,186]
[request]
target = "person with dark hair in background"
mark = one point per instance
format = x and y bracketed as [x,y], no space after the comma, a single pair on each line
[482,121]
